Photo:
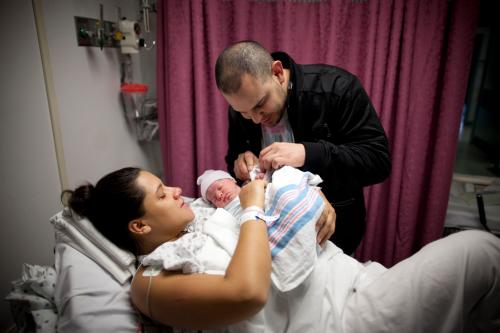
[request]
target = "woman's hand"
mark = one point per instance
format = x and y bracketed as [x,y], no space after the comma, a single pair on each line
[252,194]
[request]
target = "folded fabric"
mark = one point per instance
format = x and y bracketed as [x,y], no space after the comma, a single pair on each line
[292,237]
[80,234]
[202,211]
[207,249]
[32,299]
[224,228]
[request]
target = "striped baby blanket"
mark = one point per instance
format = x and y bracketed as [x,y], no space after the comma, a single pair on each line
[293,196]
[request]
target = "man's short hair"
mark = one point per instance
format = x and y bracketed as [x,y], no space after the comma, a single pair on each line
[239,58]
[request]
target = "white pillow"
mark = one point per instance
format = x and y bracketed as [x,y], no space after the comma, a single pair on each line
[80,234]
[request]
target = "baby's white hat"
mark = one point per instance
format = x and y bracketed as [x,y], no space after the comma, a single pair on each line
[208,177]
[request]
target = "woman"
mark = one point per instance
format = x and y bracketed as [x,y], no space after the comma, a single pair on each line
[145,214]
[451,285]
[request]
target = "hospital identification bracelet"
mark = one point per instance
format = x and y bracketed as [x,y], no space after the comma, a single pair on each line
[251,213]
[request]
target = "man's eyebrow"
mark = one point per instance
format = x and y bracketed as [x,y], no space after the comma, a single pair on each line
[259,102]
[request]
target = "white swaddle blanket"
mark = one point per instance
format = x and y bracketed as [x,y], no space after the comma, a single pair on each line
[292,237]
[208,249]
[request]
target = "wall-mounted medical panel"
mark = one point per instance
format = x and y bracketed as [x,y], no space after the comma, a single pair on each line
[98,33]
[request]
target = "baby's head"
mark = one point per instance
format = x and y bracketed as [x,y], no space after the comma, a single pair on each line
[218,187]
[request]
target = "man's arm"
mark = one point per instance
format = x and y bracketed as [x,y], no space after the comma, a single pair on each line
[360,155]
[243,136]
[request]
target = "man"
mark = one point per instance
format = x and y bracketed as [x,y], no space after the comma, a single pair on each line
[314,117]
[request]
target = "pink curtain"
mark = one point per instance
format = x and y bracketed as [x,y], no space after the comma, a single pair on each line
[411,56]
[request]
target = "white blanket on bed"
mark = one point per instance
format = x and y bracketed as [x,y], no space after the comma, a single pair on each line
[33,296]
[325,290]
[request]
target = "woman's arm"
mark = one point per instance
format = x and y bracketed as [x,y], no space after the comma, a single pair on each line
[208,301]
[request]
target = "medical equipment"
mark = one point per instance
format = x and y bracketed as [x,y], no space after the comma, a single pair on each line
[130,41]
[147,8]
[140,112]
[96,32]
[125,33]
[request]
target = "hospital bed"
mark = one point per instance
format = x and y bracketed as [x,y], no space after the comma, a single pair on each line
[88,288]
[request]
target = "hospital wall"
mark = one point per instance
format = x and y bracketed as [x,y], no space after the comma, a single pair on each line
[80,87]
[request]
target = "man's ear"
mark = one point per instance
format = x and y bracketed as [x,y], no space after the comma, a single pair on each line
[138,226]
[277,69]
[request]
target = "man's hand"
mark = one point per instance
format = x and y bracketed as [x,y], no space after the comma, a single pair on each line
[244,164]
[280,154]
[326,223]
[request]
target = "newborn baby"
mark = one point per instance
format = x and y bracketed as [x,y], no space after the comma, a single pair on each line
[220,189]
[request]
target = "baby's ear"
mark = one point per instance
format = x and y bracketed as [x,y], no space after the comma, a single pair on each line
[138,226]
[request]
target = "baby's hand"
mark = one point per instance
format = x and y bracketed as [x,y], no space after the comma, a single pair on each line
[255,173]
[260,175]
[252,194]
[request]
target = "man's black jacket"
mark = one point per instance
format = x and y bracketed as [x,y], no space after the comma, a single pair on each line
[332,116]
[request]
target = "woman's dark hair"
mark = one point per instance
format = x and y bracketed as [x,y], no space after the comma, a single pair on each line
[110,205]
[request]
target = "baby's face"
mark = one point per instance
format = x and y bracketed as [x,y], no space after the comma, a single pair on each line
[222,191]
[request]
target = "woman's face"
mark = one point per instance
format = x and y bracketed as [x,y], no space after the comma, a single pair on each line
[165,210]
